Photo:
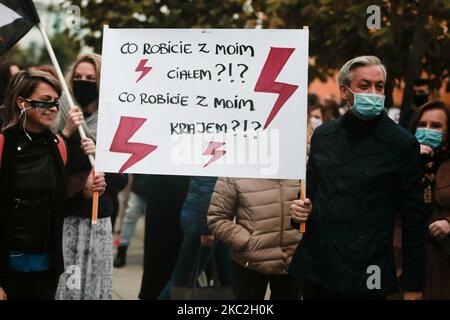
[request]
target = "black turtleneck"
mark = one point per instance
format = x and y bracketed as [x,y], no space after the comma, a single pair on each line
[357,130]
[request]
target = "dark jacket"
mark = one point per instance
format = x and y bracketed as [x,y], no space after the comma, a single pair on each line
[438,251]
[355,196]
[163,235]
[8,174]
[141,184]
[195,207]
[78,168]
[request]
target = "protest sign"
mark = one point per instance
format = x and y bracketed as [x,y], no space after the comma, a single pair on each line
[214,102]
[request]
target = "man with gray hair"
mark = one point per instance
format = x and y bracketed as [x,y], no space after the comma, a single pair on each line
[363,169]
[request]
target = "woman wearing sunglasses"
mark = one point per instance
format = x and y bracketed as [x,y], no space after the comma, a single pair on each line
[430,125]
[33,188]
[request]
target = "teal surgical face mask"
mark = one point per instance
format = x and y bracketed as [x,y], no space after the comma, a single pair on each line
[429,137]
[367,105]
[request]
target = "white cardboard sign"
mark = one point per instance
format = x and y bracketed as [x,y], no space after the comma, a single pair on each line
[213,102]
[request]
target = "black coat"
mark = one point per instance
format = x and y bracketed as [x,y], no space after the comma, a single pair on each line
[78,168]
[7,178]
[355,197]
[163,235]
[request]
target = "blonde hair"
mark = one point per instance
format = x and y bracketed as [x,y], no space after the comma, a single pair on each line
[92,58]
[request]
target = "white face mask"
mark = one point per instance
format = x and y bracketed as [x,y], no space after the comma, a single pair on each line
[315,122]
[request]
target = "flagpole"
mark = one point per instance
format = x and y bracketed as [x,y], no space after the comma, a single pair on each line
[66,91]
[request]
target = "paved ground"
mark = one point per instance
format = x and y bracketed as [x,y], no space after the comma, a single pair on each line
[127,280]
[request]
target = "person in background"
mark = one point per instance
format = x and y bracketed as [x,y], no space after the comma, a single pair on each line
[33,189]
[252,217]
[163,235]
[330,110]
[137,203]
[315,113]
[84,82]
[198,242]
[430,125]
[7,70]
[315,118]
[362,168]
[421,95]
[86,246]
[394,114]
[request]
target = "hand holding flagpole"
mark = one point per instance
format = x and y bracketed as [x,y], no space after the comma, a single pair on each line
[71,103]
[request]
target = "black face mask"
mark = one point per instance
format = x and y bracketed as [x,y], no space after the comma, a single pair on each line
[85,92]
[420,99]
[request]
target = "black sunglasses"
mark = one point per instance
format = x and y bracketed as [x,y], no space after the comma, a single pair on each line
[43,104]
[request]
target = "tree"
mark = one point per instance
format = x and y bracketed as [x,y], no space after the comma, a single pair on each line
[23,57]
[413,37]
[158,14]
[66,49]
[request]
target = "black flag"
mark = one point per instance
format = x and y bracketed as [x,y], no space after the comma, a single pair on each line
[17,17]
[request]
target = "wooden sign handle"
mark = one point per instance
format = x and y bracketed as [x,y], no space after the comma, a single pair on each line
[302,197]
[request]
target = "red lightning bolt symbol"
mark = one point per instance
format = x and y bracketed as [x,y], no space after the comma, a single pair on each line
[266,82]
[126,129]
[142,68]
[211,150]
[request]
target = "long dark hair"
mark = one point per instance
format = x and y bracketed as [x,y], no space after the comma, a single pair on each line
[433,105]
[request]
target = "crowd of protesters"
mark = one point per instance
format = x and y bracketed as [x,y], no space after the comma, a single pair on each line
[377,207]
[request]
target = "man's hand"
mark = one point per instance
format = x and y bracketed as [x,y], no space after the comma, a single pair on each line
[426,150]
[206,240]
[94,184]
[3,295]
[73,121]
[88,146]
[440,228]
[409,295]
[300,210]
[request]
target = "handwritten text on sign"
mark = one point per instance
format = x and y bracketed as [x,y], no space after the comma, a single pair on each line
[203,102]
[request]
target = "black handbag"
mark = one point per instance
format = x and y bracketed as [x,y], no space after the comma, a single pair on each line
[192,291]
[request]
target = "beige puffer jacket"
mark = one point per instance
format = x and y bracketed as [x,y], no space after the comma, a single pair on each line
[261,237]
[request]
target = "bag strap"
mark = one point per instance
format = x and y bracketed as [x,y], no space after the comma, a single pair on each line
[62,149]
[215,269]
[196,268]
